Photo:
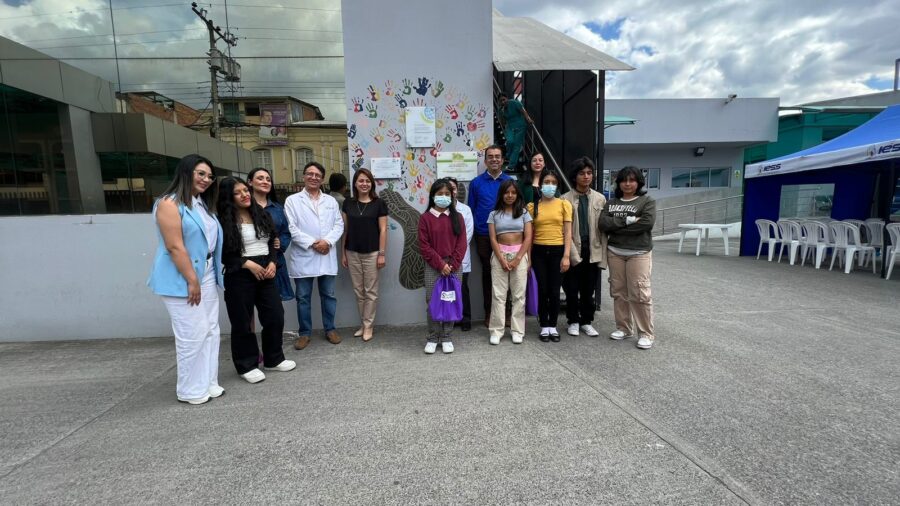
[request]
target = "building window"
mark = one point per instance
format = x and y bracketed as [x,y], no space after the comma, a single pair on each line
[652,178]
[263,158]
[706,177]
[231,112]
[296,113]
[345,162]
[303,156]
[251,108]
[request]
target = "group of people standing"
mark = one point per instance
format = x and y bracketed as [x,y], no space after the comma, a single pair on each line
[236,235]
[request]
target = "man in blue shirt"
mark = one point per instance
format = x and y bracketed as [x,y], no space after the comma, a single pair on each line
[482,199]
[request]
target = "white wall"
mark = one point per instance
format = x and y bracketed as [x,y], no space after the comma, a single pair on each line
[694,121]
[392,41]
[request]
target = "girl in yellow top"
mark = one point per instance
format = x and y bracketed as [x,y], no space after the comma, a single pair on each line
[550,251]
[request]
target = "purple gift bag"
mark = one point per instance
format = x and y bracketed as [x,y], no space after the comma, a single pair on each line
[446,300]
[531,294]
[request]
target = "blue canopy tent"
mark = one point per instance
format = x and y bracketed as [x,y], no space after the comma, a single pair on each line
[861,164]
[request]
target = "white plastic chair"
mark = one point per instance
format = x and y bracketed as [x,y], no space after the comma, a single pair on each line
[847,243]
[816,238]
[768,234]
[791,234]
[892,253]
[875,229]
[861,225]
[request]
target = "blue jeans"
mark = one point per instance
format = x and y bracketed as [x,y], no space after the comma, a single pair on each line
[304,304]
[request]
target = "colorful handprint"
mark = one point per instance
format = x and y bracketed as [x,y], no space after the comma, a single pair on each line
[394,135]
[470,113]
[351,132]
[357,151]
[423,86]
[394,151]
[438,89]
[436,149]
[373,93]
[482,142]
[372,109]
[453,113]
[377,135]
[448,137]
[460,129]
[400,101]
[482,112]
[475,125]
[407,86]
[388,88]
[357,104]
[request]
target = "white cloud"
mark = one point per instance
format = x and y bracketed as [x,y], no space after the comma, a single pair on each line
[801,51]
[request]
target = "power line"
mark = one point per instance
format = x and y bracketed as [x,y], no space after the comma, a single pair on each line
[80,11]
[110,35]
[287,29]
[123,43]
[176,58]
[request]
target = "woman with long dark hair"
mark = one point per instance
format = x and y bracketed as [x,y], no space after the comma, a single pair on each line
[365,238]
[530,182]
[442,242]
[260,182]
[248,254]
[550,251]
[628,220]
[509,227]
[186,270]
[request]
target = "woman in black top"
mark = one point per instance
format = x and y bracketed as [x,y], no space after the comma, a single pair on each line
[529,183]
[248,255]
[365,237]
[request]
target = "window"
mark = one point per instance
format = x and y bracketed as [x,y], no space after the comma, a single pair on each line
[345,162]
[231,112]
[652,178]
[716,177]
[296,113]
[263,158]
[806,200]
[251,108]
[302,156]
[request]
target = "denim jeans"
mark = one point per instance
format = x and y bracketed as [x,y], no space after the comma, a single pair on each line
[304,302]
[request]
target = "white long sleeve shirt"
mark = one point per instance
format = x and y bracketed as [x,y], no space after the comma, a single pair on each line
[309,221]
[466,213]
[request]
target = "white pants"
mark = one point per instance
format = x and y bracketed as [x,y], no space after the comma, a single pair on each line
[197,338]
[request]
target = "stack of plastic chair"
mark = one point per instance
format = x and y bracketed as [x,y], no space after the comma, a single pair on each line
[861,225]
[847,243]
[816,238]
[892,253]
[791,233]
[768,234]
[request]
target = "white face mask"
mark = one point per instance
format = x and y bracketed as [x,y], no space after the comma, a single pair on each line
[548,190]
[442,201]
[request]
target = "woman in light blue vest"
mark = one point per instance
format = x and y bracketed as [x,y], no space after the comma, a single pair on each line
[186,270]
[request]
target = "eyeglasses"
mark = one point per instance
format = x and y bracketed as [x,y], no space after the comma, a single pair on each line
[205,175]
[313,175]
[494,157]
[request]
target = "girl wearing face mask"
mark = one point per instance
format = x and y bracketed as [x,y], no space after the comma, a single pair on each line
[550,251]
[248,255]
[442,242]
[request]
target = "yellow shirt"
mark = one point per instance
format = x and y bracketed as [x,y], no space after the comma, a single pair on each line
[548,226]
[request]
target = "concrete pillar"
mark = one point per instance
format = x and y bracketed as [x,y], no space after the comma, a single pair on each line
[82,161]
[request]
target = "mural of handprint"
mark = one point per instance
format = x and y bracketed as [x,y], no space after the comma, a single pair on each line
[377,135]
[407,87]
[388,88]
[372,109]
[482,142]
[454,115]
[460,129]
[357,104]
[394,135]
[475,125]
[470,113]
[351,132]
[401,102]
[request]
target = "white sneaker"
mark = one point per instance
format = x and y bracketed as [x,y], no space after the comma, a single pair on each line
[430,347]
[254,376]
[447,347]
[618,335]
[216,391]
[284,366]
[644,343]
[195,402]
[495,340]
[517,338]
[573,329]
[545,331]
[588,330]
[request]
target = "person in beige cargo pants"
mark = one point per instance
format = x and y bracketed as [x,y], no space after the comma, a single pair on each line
[627,219]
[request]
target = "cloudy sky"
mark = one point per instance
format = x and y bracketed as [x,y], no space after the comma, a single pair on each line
[801,50]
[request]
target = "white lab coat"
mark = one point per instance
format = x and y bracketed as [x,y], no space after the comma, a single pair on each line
[307,225]
[466,213]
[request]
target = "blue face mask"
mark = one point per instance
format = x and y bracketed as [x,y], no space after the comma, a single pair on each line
[442,201]
[548,190]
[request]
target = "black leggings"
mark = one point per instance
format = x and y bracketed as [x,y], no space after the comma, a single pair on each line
[545,261]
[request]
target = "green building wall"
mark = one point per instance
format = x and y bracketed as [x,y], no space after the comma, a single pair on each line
[801,131]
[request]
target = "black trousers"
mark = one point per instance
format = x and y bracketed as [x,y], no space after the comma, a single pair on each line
[545,261]
[579,283]
[467,303]
[483,249]
[242,292]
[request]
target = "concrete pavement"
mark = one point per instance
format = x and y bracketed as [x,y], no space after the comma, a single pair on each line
[768,384]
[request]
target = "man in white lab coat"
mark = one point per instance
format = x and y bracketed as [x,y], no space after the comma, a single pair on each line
[316,226]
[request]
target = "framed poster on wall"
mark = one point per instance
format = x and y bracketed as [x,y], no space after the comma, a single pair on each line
[420,127]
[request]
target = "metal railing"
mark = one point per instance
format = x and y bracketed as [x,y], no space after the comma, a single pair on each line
[723,210]
[534,141]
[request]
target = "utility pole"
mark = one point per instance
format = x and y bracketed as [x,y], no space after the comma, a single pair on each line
[218,63]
